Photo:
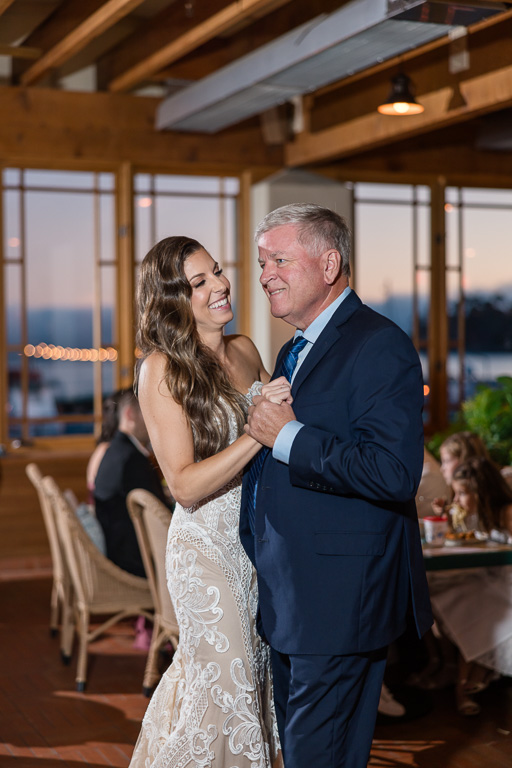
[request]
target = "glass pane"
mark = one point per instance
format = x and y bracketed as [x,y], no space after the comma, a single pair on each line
[11,176]
[487,196]
[107,228]
[197,218]
[231,186]
[451,220]
[423,293]
[15,398]
[383,192]
[68,384]
[487,251]
[12,223]
[59,250]
[142,182]
[384,260]
[423,194]
[451,195]
[13,303]
[106,181]
[230,254]
[232,275]
[69,179]
[108,378]
[144,239]
[195,184]
[60,299]
[423,244]
[108,304]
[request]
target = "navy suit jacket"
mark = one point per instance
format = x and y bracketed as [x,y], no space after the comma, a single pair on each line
[337,546]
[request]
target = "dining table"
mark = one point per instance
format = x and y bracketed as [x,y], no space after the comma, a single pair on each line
[469,554]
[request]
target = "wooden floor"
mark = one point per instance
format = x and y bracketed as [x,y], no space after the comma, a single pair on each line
[45,723]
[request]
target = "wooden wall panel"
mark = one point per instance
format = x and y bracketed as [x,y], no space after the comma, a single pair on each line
[22,531]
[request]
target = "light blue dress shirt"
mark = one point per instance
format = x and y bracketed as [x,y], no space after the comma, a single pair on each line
[286,436]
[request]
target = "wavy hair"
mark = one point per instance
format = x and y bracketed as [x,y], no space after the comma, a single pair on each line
[482,477]
[465,445]
[193,374]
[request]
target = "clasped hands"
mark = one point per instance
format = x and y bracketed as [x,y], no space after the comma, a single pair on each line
[270,411]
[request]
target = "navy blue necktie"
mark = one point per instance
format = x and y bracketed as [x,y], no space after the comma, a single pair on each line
[287,369]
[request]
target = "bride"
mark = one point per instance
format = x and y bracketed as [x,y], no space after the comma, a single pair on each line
[214,706]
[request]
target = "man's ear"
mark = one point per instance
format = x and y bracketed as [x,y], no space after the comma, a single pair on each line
[332,266]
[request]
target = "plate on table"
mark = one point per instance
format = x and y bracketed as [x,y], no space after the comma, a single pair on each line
[463,539]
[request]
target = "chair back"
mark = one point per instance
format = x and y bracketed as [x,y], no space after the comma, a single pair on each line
[151,520]
[74,541]
[93,575]
[35,476]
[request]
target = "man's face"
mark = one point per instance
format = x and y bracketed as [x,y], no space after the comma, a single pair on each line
[292,278]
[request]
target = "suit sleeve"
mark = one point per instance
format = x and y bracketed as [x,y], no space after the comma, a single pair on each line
[379,454]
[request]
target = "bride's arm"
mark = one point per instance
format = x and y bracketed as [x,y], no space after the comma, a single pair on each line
[171,439]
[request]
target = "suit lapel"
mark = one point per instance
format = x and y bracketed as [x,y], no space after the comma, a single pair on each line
[332,332]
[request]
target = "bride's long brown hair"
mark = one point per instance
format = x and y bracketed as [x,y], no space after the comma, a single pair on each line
[193,375]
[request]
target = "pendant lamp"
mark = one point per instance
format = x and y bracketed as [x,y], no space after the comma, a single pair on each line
[401,99]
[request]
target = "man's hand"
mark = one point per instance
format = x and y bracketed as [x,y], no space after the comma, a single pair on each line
[265,420]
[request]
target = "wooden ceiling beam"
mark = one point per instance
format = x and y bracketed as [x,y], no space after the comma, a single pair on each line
[220,23]
[4,4]
[371,131]
[93,26]
[151,35]
[480,90]
[54,128]
[20,51]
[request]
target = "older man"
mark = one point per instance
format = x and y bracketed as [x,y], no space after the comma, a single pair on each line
[328,514]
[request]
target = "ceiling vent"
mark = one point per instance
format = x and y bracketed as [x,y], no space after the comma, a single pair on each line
[330,47]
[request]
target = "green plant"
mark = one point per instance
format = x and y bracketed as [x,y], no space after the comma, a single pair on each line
[489,414]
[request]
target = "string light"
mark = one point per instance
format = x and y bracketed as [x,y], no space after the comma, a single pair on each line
[70,354]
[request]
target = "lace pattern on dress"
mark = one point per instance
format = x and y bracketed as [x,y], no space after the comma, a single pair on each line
[213,707]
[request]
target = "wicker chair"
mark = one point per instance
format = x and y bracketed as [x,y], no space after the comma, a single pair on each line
[61,598]
[100,587]
[151,520]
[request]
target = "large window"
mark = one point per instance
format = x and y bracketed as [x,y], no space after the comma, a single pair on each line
[479,288]
[392,257]
[60,277]
[62,282]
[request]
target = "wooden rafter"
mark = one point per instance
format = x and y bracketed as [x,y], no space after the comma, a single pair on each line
[20,51]
[220,23]
[4,4]
[94,25]
[485,93]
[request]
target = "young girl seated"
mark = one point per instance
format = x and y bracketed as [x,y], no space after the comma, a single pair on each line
[455,450]
[473,607]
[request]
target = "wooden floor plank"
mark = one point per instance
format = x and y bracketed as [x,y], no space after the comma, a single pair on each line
[45,723]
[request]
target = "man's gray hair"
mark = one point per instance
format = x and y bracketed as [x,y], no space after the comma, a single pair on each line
[318,229]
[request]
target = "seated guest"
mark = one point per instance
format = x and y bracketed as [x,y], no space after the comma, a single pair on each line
[125,466]
[432,485]
[473,607]
[109,424]
[456,449]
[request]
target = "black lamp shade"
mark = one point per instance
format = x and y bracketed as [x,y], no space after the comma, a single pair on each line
[401,99]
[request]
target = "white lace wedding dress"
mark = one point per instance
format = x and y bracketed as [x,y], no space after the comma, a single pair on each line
[213,708]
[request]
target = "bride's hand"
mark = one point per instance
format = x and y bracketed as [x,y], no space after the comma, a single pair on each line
[278,391]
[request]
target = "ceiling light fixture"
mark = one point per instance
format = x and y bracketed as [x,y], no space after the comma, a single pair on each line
[401,99]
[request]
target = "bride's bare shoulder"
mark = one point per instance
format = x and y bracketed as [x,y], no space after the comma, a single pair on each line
[152,369]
